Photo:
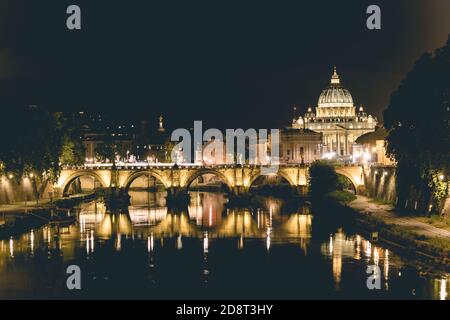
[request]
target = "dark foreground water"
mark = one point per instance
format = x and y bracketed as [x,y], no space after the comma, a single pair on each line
[207,251]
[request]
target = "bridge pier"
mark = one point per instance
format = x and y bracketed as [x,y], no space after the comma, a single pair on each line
[116,197]
[177,196]
[238,191]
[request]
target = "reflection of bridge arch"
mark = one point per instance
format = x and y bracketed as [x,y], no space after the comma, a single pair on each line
[141,173]
[202,172]
[78,174]
[176,224]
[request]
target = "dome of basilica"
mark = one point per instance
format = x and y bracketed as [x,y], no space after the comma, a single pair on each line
[335,95]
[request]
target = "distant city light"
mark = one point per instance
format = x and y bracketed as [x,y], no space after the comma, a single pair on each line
[367,156]
[329,155]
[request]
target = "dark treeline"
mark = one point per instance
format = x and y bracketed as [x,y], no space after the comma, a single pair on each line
[418,120]
[36,142]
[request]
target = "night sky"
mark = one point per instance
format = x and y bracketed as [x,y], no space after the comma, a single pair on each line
[229,63]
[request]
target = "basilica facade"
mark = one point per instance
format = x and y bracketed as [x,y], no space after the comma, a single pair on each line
[337,119]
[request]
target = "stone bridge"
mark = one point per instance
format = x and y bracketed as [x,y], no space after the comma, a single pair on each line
[238,178]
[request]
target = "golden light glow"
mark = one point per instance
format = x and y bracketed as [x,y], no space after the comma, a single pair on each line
[443,289]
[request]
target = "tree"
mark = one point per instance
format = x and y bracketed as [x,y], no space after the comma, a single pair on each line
[34,141]
[323,179]
[418,120]
[72,151]
[107,150]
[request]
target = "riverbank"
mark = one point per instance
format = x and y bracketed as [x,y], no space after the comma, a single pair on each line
[20,217]
[409,234]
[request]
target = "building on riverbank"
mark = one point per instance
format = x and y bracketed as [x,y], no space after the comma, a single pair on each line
[373,145]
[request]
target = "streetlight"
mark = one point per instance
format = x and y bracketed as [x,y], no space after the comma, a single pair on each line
[441,177]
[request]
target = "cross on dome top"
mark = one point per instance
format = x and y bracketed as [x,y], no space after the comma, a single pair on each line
[335,77]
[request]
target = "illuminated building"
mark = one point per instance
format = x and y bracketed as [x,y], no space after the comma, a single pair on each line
[337,119]
[300,145]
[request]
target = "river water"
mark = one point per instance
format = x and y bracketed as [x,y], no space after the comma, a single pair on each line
[268,251]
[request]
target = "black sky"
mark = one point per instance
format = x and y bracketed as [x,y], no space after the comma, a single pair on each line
[229,63]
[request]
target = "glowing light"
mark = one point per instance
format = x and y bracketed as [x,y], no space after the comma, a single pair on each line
[92,241]
[443,289]
[329,155]
[368,248]
[441,177]
[330,246]
[241,242]
[179,243]
[386,264]
[268,240]
[205,242]
[119,242]
[87,244]
[11,247]
[210,215]
[150,243]
[376,256]
[32,241]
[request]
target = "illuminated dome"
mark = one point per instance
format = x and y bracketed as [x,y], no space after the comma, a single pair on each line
[335,95]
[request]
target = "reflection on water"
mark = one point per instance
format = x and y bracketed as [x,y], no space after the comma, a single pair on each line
[206,250]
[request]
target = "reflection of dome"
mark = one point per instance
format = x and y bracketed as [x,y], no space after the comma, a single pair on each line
[335,95]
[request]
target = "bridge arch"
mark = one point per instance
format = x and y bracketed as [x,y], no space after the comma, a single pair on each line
[280,173]
[78,174]
[141,173]
[202,172]
[355,180]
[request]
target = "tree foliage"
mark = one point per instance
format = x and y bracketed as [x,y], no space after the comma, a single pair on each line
[418,120]
[108,150]
[323,179]
[36,142]
[72,151]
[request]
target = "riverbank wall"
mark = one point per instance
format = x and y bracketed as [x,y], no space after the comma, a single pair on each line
[380,183]
[26,189]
